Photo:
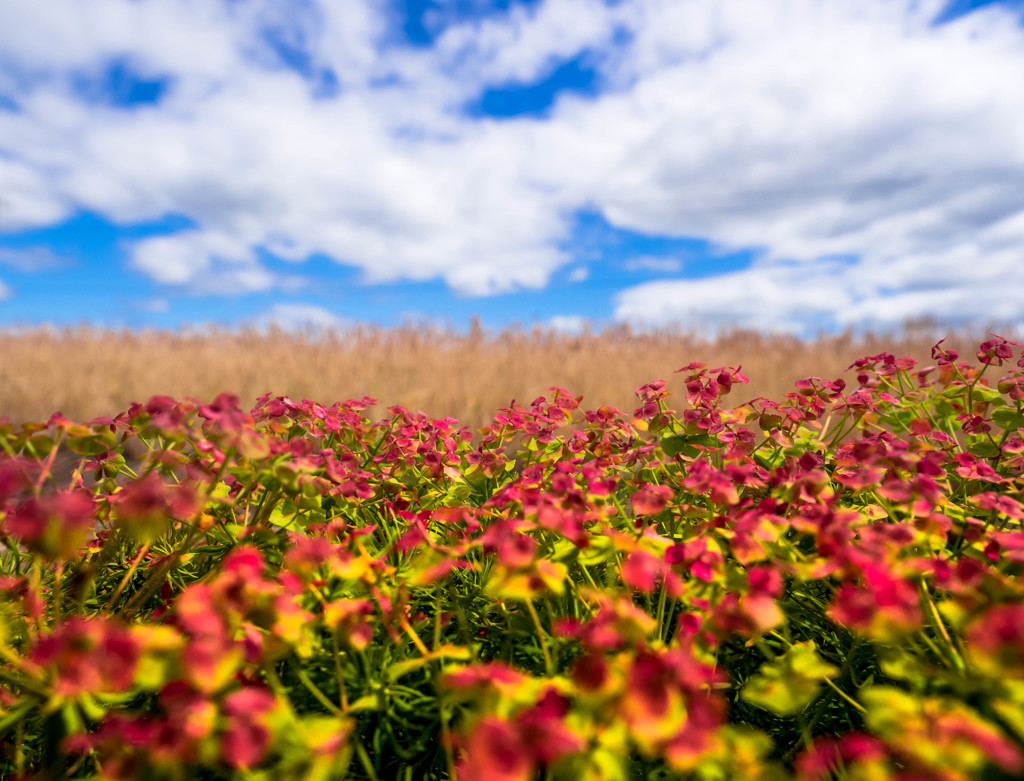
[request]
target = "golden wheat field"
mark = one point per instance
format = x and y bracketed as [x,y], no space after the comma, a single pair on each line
[86,372]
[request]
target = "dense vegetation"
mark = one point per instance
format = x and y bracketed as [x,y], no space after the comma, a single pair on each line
[826,584]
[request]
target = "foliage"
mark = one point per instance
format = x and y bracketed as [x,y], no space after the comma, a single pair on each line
[823,586]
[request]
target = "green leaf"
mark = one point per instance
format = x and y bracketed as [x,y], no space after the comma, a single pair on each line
[13,716]
[897,664]
[791,682]
[599,550]
[367,702]
[211,549]
[39,445]
[889,710]
[1008,419]
[564,550]
[87,446]
[674,445]
[985,393]
[398,669]
[770,460]
[982,447]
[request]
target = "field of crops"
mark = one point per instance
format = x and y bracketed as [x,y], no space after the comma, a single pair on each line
[822,583]
[88,372]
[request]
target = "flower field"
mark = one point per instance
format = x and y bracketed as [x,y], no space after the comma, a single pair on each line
[823,585]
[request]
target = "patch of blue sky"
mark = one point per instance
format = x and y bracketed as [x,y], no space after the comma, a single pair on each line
[957,8]
[91,285]
[323,277]
[343,290]
[421,22]
[121,85]
[287,47]
[95,285]
[413,18]
[577,76]
[616,257]
[605,259]
[433,303]
[8,103]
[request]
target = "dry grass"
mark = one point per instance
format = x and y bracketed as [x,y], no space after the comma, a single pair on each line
[86,373]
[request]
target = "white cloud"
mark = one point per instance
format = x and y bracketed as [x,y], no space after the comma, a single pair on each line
[522,45]
[567,324]
[154,306]
[28,199]
[302,317]
[206,263]
[653,263]
[777,299]
[959,285]
[5,292]
[32,259]
[811,130]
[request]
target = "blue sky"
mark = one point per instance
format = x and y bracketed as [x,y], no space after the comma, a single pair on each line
[707,164]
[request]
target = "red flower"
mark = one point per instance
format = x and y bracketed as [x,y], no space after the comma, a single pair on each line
[496,751]
[824,756]
[651,499]
[225,414]
[15,476]
[56,526]
[996,640]
[247,737]
[885,604]
[542,728]
[509,750]
[482,675]
[147,505]
[641,570]
[89,656]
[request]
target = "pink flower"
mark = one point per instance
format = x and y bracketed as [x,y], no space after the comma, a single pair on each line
[247,737]
[495,751]
[651,499]
[56,526]
[641,570]
[995,639]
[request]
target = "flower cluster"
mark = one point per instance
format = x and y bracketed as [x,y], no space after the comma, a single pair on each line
[822,586]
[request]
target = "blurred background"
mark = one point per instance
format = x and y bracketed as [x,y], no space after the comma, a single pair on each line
[86,373]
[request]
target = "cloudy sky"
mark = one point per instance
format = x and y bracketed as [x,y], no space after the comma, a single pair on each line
[791,165]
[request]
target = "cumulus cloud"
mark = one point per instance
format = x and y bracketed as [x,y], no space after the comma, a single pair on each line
[664,265]
[567,324]
[32,259]
[522,45]
[811,131]
[154,306]
[762,298]
[205,261]
[302,318]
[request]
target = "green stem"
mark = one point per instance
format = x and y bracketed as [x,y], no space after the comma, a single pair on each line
[364,758]
[58,593]
[548,663]
[954,653]
[661,608]
[342,691]
[845,696]
[127,576]
[315,691]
